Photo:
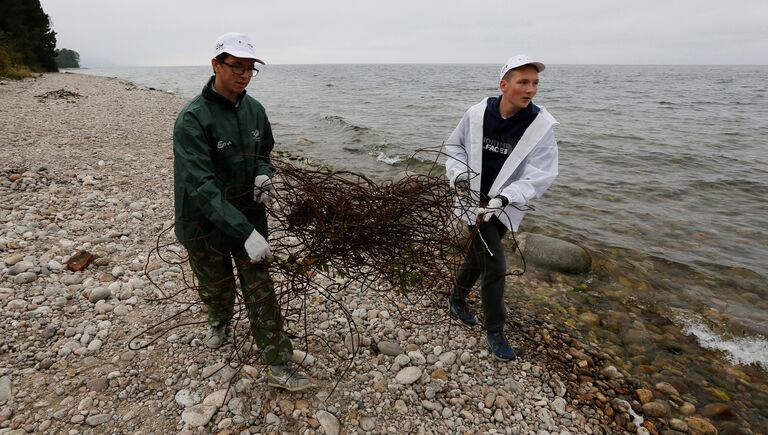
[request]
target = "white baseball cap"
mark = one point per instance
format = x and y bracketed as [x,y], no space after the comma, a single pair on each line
[236,44]
[518,61]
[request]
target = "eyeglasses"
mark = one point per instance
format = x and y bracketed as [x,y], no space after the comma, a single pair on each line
[239,69]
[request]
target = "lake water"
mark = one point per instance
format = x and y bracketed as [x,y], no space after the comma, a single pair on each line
[663,171]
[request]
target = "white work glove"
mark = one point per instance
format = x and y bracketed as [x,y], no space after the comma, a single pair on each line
[494,206]
[257,247]
[263,190]
[460,181]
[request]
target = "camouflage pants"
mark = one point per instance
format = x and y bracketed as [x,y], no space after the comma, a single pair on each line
[216,287]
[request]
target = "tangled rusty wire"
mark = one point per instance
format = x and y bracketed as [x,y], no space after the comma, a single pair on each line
[333,233]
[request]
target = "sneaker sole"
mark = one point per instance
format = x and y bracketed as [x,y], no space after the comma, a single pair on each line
[214,346]
[498,357]
[456,316]
[289,388]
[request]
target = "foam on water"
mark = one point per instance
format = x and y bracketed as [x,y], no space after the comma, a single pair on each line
[751,350]
[389,160]
[637,419]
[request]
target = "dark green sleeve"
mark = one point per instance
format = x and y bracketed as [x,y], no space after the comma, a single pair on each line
[263,161]
[202,187]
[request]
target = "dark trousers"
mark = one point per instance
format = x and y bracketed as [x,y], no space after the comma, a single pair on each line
[492,268]
[216,287]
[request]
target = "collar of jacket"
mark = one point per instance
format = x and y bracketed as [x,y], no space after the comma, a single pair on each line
[529,111]
[211,95]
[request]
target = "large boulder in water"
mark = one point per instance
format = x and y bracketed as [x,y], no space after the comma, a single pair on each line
[554,254]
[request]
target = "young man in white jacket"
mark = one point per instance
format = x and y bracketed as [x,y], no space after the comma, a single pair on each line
[502,155]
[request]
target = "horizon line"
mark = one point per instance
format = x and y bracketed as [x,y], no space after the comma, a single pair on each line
[426,63]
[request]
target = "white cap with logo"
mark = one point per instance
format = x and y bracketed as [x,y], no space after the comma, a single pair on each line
[236,44]
[518,61]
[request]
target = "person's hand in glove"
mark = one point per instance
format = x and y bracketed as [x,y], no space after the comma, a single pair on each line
[460,181]
[496,204]
[263,190]
[257,247]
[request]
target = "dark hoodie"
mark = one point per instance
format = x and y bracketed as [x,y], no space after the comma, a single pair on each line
[500,136]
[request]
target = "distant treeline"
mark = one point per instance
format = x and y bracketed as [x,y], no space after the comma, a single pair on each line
[27,42]
[66,58]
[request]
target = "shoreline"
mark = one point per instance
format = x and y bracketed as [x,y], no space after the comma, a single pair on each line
[94,171]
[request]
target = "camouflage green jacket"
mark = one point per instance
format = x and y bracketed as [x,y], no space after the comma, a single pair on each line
[218,149]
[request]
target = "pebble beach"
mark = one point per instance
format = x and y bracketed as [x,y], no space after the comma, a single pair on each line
[86,165]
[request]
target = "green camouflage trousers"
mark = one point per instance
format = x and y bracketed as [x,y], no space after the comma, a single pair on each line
[216,286]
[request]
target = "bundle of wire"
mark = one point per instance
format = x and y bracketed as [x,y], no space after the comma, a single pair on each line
[335,232]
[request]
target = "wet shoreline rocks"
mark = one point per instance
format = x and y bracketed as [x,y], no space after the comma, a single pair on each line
[94,175]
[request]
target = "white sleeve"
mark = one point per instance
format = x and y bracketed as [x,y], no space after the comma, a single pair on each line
[539,171]
[456,149]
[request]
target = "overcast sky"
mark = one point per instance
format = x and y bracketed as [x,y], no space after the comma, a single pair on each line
[182,32]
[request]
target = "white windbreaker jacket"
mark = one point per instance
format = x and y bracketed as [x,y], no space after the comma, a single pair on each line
[527,173]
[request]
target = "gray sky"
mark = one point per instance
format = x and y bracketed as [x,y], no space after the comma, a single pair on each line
[182,32]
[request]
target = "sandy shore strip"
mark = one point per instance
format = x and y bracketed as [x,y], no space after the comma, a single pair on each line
[90,168]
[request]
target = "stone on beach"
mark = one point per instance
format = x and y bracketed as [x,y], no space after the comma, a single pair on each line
[554,254]
[17,268]
[186,398]
[217,398]
[390,348]
[95,420]
[655,409]
[644,395]
[5,389]
[408,375]
[717,410]
[302,358]
[329,422]
[198,415]
[701,425]
[99,293]
[79,261]
[25,278]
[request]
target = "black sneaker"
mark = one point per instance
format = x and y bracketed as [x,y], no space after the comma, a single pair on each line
[462,312]
[499,346]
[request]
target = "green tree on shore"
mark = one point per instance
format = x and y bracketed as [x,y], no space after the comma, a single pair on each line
[27,42]
[66,58]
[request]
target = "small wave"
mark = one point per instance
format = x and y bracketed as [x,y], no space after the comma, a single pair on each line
[338,120]
[596,110]
[353,150]
[738,350]
[746,186]
[632,137]
[389,160]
